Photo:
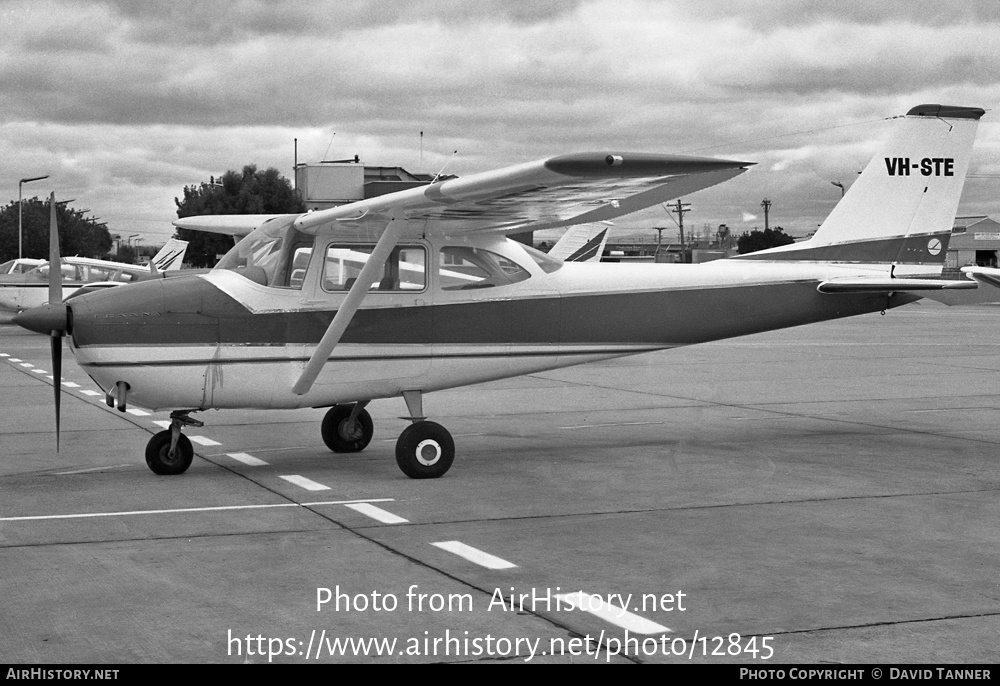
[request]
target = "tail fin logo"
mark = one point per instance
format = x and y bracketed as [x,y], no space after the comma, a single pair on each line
[928,166]
[934,246]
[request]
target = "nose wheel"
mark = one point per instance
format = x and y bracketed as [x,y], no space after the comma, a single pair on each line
[166,461]
[170,452]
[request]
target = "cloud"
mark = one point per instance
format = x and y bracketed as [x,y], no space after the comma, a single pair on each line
[123,97]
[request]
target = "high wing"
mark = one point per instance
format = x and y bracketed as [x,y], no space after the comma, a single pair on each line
[552,193]
[547,194]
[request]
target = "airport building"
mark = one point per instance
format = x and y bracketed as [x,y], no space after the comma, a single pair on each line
[330,184]
[975,241]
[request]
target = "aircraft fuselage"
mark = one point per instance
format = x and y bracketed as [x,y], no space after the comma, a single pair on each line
[220,340]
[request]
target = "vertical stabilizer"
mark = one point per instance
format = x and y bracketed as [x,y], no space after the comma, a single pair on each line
[171,255]
[899,213]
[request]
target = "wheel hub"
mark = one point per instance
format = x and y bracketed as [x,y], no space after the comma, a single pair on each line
[428,452]
[350,431]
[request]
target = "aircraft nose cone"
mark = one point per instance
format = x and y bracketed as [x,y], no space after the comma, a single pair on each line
[44,318]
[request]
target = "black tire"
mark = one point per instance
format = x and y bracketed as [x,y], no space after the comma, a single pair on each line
[425,450]
[335,430]
[158,454]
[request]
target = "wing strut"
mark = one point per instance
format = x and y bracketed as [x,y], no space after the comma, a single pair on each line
[369,273]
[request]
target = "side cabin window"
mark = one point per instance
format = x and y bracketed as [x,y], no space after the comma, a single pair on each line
[464,268]
[275,256]
[405,270]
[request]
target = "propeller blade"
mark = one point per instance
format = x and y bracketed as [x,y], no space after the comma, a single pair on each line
[55,266]
[55,298]
[56,342]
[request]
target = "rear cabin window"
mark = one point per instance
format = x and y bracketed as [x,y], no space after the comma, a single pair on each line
[465,268]
[405,270]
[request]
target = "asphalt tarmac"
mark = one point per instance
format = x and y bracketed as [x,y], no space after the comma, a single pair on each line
[825,494]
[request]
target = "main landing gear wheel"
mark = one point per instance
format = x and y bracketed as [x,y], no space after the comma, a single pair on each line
[160,459]
[341,434]
[425,450]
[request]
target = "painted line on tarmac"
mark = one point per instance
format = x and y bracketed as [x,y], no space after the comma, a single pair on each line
[93,469]
[305,483]
[377,513]
[189,510]
[597,606]
[247,459]
[475,555]
[596,426]
[201,440]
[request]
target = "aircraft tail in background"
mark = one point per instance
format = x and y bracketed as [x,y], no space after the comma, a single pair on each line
[582,243]
[170,257]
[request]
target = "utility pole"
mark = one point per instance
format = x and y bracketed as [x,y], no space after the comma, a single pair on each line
[766,204]
[680,208]
[20,230]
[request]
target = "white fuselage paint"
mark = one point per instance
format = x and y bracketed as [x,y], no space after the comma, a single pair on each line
[262,376]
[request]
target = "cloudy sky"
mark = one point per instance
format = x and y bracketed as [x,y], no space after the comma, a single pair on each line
[124,103]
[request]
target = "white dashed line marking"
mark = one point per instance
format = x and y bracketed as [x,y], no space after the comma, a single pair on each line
[15,359]
[305,483]
[247,459]
[377,513]
[474,555]
[597,606]
[186,510]
[4,355]
[201,440]
[598,426]
[138,413]
[93,469]
[70,384]
[165,423]
[27,364]
[39,371]
[90,393]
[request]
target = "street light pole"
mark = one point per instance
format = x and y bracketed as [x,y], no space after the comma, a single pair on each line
[20,239]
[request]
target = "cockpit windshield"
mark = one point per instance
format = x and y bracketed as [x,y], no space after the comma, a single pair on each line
[274,254]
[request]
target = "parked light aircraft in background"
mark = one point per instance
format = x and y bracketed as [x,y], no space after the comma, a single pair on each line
[445,299]
[19,265]
[29,287]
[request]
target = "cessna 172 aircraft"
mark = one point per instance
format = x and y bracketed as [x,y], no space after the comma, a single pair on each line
[291,317]
[22,289]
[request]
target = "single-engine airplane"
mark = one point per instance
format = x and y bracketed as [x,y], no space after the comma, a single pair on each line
[23,289]
[421,290]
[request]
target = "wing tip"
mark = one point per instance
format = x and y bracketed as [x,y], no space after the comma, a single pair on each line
[625,164]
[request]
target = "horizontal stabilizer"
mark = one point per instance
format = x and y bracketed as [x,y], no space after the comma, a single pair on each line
[883,285]
[985,275]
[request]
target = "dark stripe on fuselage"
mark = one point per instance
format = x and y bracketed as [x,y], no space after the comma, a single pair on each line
[903,250]
[506,354]
[193,312]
